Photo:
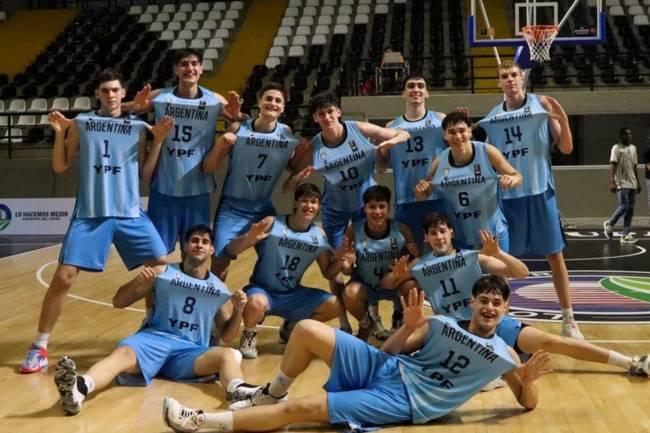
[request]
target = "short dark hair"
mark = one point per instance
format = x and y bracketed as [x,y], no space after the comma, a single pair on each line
[200,229]
[272,85]
[308,190]
[622,130]
[415,76]
[454,118]
[323,100]
[109,74]
[434,219]
[491,284]
[377,193]
[179,55]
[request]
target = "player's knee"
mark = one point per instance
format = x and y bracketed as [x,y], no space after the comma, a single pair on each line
[305,328]
[256,306]
[406,287]
[124,353]
[306,408]
[64,278]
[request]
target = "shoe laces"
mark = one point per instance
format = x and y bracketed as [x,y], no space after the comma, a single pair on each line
[34,354]
[191,418]
[249,338]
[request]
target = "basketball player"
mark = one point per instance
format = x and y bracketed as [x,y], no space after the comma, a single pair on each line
[173,343]
[523,127]
[180,191]
[108,199]
[446,274]
[468,175]
[286,246]
[344,155]
[369,388]
[378,241]
[259,150]
[411,162]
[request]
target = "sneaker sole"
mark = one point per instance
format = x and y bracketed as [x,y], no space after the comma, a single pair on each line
[24,370]
[65,377]
[165,409]
[608,235]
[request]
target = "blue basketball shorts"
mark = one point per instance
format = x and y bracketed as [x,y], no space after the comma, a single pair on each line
[335,222]
[235,217]
[293,305]
[365,387]
[173,216]
[534,225]
[164,356]
[412,214]
[88,240]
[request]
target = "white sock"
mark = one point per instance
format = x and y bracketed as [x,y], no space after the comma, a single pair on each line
[233,384]
[623,361]
[221,421]
[567,314]
[41,339]
[280,385]
[90,383]
[251,330]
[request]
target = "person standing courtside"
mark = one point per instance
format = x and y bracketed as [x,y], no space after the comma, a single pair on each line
[108,199]
[180,191]
[523,127]
[624,181]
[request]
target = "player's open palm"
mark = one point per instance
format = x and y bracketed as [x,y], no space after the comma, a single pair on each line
[346,252]
[400,268]
[258,231]
[412,305]
[142,100]
[422,189]
[147,274]
[490,243]
[58,121]
[163,127]
[535,367]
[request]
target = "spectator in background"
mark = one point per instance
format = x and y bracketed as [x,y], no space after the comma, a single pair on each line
[624,181]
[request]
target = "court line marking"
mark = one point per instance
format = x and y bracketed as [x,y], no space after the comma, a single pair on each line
[28,252]
[581,259]
[42,282]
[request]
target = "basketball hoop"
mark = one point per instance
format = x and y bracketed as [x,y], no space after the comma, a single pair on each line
[539,40]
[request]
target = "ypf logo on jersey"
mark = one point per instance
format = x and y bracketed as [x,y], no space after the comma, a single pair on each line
[598,297]
[5,216]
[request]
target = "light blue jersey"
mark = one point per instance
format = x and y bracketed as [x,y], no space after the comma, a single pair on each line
[347,168]
[523,136]
[470,194]
[109,182]
[185,306]
[179,167]
[285,255]
[447,282]
[411,160]
[374,256]
[451,367]
[257,160]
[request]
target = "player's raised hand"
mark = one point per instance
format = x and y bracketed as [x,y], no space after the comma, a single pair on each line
[163,127]
[508,181]
[556,111]
[413,304]
[233,107]
[58,121]
[303,174]
[400,267]
[464,110]
[412,249]
[142,100]
[258,231]
[490,243]
[147,274]
[346,252]
[423,189]
[239,300]
[535,367]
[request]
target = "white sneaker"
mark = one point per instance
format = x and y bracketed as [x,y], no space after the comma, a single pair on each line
[641,366]
[181,418]
[244,391]
[247,345]
[607,230]
[570,329]
[260,398]
[495,384]
[65,378]
[628,239]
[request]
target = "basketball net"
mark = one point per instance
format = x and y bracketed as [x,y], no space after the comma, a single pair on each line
[539,40]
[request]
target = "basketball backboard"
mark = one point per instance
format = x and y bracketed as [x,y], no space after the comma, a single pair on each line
[581,22]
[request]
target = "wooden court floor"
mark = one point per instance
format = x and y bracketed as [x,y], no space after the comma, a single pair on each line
[578,397]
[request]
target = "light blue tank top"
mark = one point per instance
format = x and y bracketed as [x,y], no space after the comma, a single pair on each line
[470,194]
[447,281]
[257,160]
[411,160]
[347,168]
[524,138]
[195,120]
[374,256]
[185,306]
[452,366]
[109,182]
[285,255]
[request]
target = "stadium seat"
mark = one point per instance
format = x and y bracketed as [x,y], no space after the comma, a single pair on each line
[152,9]
[636,10]
[340,29]
[209,25]
[202,7]
[180,16]
[197,16]
[309,11]
[174,26]
[327,11]
[167,35]
[285,31]
[291,12]
[197,44]
[219,6]
[237,5]
[322,30]
[145,18]
[272,62]
[169,8]
[179,44]
[192,25]
[303,31]
[208,65]
[17,105]
[215,15]
[343,19]
[232,15]
[222,33]
[299,40]
[319,40]
[227,24]
[280,41]
[211,54]
[204,34]
[26,120]
[187,7]
[361,19]
[37,104]
[16,135]
[363,9]
[215,43]
[81,103]
[156,27]
[306,21]
[296,51]
[42,120]
[185,34]
[288,22]
[276,52]
[325,20]
[135,10]
[163,17]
